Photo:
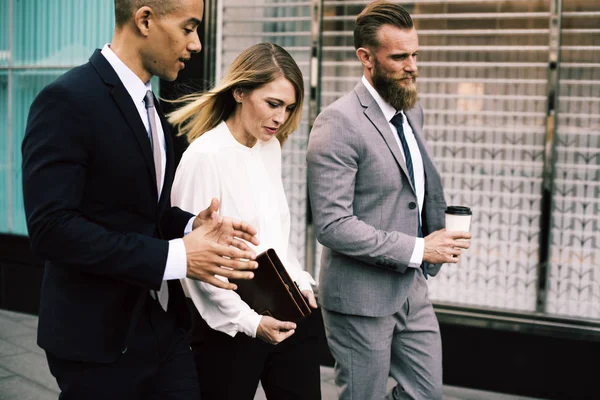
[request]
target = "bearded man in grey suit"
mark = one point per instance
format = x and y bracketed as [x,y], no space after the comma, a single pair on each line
[378,208]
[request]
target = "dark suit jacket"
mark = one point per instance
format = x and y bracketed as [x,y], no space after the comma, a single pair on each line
[92,212]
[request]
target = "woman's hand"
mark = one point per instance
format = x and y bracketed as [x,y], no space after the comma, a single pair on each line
[274,331]
[310,298]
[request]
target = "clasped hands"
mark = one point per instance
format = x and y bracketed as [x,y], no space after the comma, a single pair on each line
[217,247]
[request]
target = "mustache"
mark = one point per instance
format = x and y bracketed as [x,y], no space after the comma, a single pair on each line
[411,75]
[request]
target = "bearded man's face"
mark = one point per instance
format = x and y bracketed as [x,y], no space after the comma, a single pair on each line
[394,71]
[400,92]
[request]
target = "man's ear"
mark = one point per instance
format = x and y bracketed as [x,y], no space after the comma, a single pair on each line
[365,56]
[142,19]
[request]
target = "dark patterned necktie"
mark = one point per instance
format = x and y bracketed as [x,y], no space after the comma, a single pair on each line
[397,121]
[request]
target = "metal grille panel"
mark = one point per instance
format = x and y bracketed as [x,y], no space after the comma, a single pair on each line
[574,274]
[483,68]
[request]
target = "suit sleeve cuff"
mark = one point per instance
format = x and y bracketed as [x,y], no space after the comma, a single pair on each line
[176,267]
[416,259]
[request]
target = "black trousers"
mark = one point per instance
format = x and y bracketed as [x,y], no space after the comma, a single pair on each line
[158,364]
[231,368]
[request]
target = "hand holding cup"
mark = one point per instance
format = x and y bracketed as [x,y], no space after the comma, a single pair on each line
[446,245]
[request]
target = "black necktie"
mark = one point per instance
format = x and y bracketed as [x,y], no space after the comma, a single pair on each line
[397,121]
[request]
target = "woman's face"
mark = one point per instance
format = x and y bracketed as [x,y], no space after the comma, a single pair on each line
[263,110]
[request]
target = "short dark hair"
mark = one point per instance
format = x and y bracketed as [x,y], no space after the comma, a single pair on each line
[373,17]
[124,9]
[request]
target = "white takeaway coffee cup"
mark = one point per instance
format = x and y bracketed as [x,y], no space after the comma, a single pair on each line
[458,218]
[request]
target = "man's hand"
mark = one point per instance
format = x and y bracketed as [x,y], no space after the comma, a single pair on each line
[444,247]
[310,298]
[224,230]
[215,247]
[274,331]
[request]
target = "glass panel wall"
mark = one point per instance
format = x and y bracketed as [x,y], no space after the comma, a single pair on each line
[59,32]
[5,139]
[39,41]
[4,32]
[5,186]
[26,84]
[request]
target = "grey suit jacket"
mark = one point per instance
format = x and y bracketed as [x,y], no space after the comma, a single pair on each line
[364,207]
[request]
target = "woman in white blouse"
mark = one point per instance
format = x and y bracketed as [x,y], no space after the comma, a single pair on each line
[235,156]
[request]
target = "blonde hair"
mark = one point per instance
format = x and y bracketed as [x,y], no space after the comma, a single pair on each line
[253,68]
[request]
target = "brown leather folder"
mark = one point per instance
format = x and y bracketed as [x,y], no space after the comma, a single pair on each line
[272,291]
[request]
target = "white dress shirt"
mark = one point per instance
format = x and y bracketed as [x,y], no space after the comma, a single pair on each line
[247,182]
[389,112]
[176,266]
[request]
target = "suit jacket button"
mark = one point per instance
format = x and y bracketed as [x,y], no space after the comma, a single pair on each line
[124,350]
[412,205]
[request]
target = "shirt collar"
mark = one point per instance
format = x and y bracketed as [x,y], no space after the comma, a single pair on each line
[224,131]
[386,108]
[133,84]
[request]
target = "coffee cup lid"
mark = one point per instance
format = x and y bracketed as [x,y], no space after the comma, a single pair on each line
[458,210]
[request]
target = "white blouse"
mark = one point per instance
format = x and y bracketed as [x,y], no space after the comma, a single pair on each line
[247,182]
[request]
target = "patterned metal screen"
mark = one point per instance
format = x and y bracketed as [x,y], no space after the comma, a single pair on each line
[482,84]
[286,23]
[574,274]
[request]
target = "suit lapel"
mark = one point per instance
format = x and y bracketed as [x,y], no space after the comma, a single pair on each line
[127,108]
[374,114]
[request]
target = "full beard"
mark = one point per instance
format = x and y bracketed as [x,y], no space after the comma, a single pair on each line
[398,96]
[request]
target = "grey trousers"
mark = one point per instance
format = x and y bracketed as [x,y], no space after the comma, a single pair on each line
[406,346]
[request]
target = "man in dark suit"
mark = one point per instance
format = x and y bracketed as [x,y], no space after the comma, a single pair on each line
[378,206]
[98,167]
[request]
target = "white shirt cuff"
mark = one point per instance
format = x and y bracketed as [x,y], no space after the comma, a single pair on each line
[305,281]
[176,261]
[416,259]
[189,227]
[248,323]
